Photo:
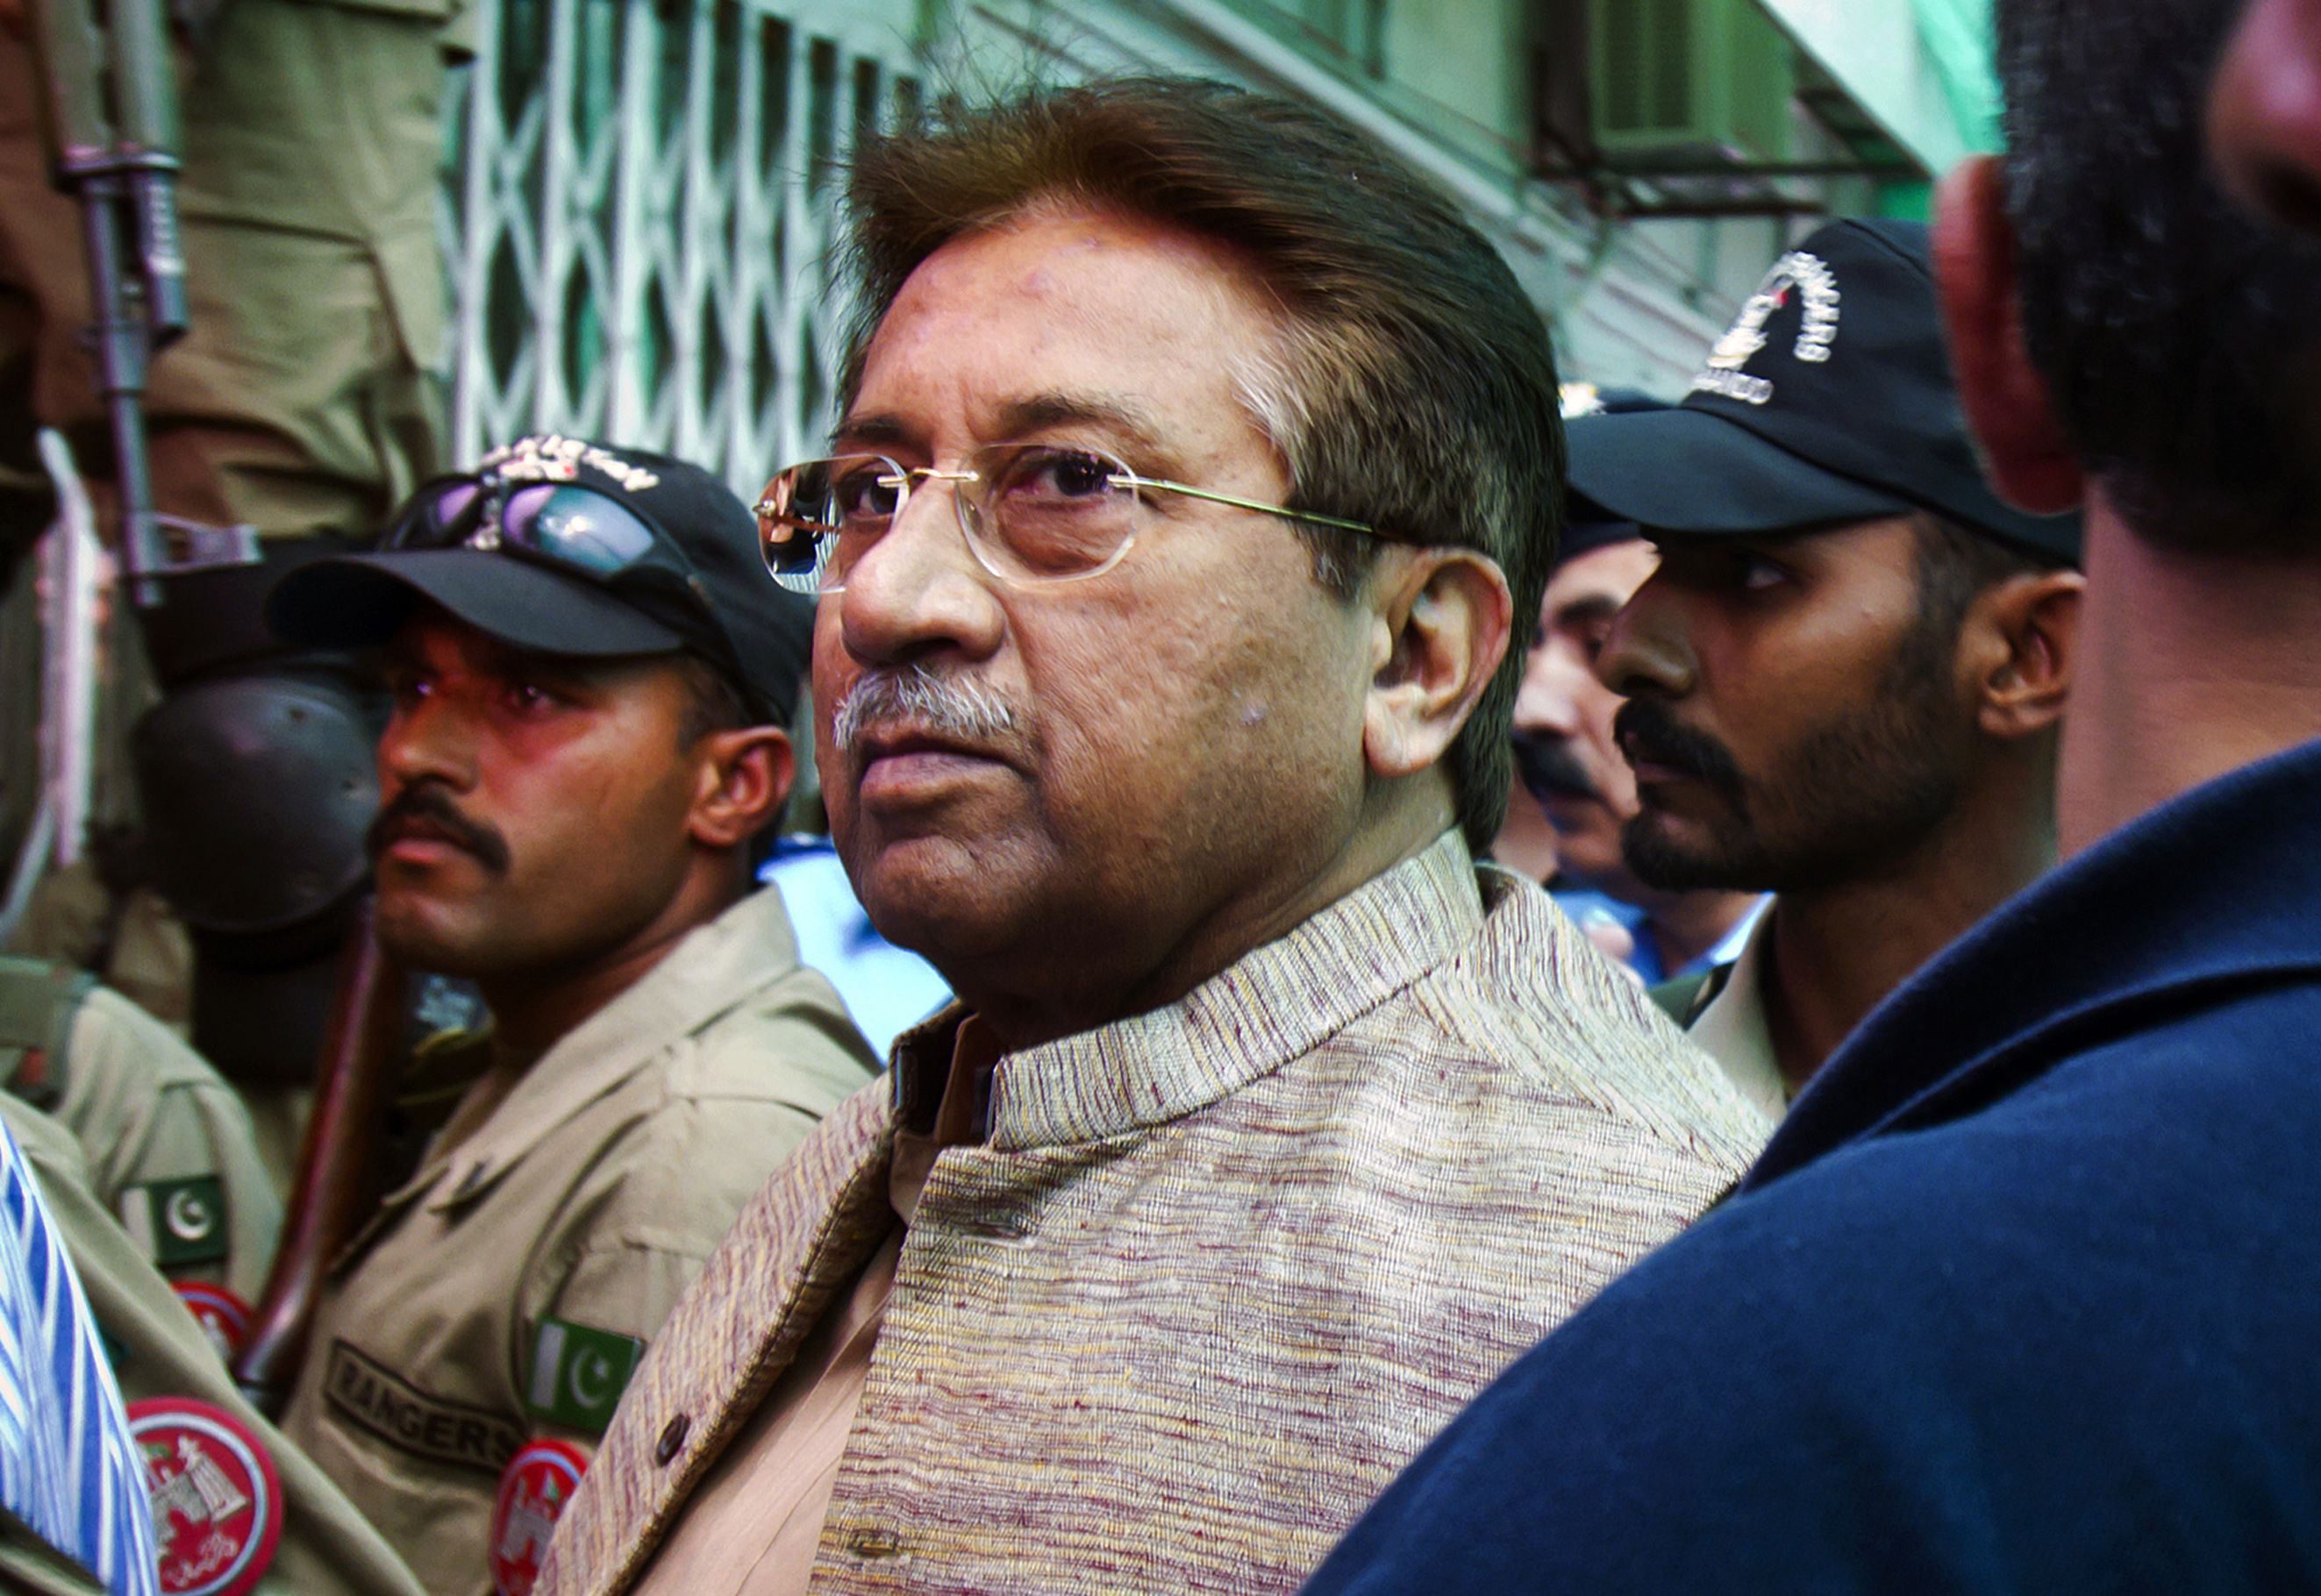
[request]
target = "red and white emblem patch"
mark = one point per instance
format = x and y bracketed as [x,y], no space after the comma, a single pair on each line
[216,1500]
[539,1480]
[223,1317]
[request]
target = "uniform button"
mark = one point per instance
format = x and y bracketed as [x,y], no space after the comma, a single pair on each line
[874,1543]
[672,1438]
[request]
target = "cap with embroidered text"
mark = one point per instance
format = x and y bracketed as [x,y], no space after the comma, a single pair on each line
[1829,400]
[650,555]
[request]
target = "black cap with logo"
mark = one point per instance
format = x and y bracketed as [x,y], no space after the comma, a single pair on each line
[1587,526]
[565,547]
[1830,401]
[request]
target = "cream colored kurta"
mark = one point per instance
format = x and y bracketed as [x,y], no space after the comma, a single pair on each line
[1731,1027]
[1218,1273]
[588,1191]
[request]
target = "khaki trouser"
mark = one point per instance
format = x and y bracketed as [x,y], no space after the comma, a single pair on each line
[303,401]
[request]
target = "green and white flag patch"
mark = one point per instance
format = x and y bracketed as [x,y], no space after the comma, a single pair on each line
[177,1222]
[578,1372]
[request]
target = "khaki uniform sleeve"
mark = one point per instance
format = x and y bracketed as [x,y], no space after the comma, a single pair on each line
[326,1549]
[170,1149]
[26,1564]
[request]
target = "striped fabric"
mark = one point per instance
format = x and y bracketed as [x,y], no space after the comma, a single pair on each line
[68,1469]
[1220,1270]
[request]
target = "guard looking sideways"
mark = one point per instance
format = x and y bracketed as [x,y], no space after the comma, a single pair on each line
[589,670]
[1190,478]
[1570,760]
[2024,1293]
[1846,678]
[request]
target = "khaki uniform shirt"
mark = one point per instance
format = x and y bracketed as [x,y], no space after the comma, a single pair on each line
[135,944]
[169,1145]
[1731,1028]
[504,1293]
[327,1549]
[1216,1273]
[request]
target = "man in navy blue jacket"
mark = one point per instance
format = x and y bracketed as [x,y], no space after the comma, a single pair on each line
[2026,1294]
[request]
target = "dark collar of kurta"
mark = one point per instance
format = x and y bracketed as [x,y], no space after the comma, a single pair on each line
[2213,895]
[1278,1002]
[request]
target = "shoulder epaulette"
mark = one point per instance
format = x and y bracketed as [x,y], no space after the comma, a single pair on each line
[39,1001]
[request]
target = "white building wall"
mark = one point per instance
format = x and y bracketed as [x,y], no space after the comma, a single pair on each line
[1632,304]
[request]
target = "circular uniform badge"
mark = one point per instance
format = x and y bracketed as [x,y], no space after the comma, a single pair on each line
[223,1317]
[539,1480]
[217,1501]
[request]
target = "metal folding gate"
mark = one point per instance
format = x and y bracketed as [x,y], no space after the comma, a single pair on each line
[640,217]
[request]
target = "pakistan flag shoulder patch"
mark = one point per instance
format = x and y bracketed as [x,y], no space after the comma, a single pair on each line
[578,1374]
[179,1223]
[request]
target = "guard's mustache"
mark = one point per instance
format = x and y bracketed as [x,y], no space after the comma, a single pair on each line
[1550,769]
[1649,733]
[426,803]
[939,704]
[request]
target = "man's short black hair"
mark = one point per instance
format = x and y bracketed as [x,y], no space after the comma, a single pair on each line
[713,701]
[2180,340]
[1954,565]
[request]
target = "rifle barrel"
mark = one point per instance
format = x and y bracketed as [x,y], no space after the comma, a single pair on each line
[332,1193]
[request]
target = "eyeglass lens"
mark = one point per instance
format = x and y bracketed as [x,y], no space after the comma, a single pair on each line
[1034,511]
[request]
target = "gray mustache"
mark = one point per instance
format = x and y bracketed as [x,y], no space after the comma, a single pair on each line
[942,705]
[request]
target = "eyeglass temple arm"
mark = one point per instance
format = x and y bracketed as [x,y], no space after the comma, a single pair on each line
[902,479]
[1216,498]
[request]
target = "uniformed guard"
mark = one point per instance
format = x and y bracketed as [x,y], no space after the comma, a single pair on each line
[1847,674]
[1570,763]
[237,1509]
[168,1143]
[590,673]
[302,402]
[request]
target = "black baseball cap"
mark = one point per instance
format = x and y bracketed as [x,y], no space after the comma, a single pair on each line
[1589,526]
[706,593]
[1829,400]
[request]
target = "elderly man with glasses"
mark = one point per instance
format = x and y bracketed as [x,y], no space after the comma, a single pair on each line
[1189,472]
[589,673]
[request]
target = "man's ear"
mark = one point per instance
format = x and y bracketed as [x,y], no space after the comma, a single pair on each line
[745,775]
[1444,617]
[2034,623]
[2024,452]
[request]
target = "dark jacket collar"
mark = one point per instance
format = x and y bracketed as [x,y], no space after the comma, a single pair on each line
[2218,890]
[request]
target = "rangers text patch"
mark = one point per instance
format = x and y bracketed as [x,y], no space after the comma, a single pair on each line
[373,1399]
